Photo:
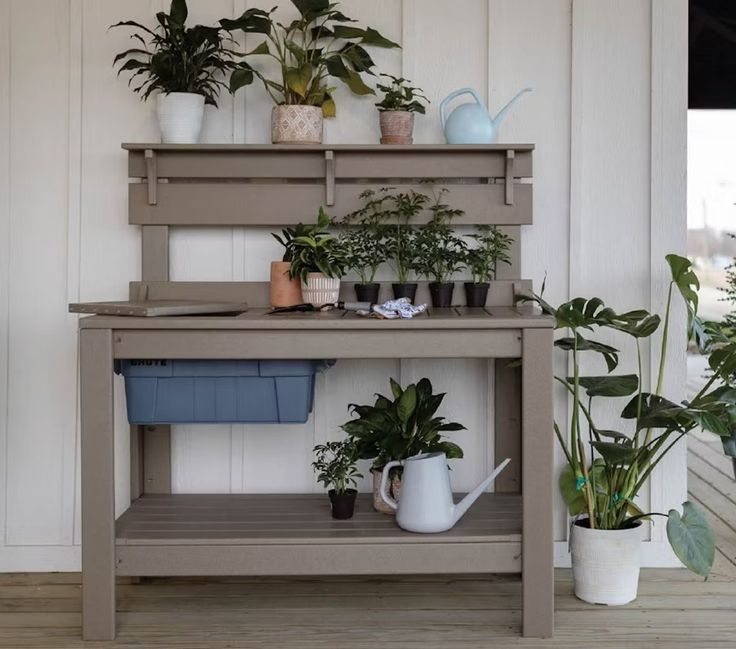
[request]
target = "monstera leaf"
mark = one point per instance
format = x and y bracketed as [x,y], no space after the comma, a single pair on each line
[691,538]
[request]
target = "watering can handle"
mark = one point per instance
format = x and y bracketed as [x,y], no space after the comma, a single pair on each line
[451,96]
[385,482]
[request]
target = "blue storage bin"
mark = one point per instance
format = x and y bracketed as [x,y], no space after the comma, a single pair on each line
[214,391]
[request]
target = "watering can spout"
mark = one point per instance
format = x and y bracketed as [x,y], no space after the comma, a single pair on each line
[501,115]
[466,502]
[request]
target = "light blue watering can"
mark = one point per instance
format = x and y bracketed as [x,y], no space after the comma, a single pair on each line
[471,123]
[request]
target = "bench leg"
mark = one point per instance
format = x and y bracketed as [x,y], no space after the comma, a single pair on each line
[537,484]
[98,486]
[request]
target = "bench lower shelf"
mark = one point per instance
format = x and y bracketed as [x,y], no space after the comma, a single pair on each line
[277,534]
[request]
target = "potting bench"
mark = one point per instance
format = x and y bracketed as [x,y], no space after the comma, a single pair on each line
[166,535]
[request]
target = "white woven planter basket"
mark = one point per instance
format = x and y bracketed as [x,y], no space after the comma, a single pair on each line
[292,124]
[605,564]
[180,116]
[319,290]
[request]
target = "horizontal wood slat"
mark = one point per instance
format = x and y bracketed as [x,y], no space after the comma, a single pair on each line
[286,203]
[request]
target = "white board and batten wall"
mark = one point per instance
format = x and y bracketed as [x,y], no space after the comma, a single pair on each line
[607,116]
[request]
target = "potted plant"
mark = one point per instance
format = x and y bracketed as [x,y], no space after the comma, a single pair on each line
[310,50]
[440,252]
[285,290]
[183,65]
[364,239]
[492,247]
[318,260]
[397,428]
[335,467]
[606,469]
[396,110]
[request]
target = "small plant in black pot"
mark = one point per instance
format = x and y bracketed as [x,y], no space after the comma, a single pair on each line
[364,241]
[440,252]
[335,467]
[492,247]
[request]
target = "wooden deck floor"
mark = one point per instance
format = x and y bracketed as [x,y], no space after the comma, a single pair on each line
[674,608]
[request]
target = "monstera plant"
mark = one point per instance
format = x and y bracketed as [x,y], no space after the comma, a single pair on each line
[320,45]
[608,466]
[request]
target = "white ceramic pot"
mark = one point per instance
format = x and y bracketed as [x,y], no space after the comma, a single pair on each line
[296,124]
[180,117]
[320,289]
[605,564]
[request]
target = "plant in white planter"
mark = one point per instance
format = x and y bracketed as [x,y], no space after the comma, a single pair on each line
[183,65]
[318,260]
[606,469]
[318,45]
[491,248]
[396,110]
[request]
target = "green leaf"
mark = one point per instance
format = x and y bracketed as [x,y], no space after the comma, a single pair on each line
[296,50]
[608,386]
[298,79]
[615,454]
[691,538]
[178,12]
[407,403]
[311,9]
[260,49]
[610,354]
[372,37]
[252,21]
[356,84]
[451,450]
[328,107]
[687,283]
[347,32]
[574,497]
[395,388]
[239,78]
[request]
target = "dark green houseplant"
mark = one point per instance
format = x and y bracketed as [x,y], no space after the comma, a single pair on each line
[186,66]
[396,109]
[319,46]
[399,427]
[607,468]
[491,248]
[335,465]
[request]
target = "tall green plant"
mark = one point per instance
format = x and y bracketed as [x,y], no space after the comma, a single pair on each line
[399,95]
[491,248]
[312,49]
[440,252]
[335,465]
[175,58]
[364,237]
[605,468]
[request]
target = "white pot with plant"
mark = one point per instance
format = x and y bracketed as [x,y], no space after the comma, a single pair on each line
[318,260]
[183,66]
[606,469]
[397,108]
[491,248]
[310,50]
[335,466]
[398,428]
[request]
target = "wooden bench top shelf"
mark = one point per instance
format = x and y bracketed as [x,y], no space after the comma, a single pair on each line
[509,530]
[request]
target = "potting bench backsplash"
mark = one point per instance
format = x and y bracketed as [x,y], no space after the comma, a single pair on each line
[229,185]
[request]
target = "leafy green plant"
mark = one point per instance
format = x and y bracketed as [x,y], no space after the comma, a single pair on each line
[606,469]
[288,234]
[492,247]
[335,465]
[175,58]
[403,208]
[316,251]
[439,251]
[406,424]
[316,46]
[398,95]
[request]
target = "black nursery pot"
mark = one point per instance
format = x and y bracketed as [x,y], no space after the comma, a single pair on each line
[476,294]
[343,505]
[405,290]
[367,292]
[441,293]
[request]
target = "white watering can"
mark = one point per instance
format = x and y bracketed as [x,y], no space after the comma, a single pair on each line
[425,504]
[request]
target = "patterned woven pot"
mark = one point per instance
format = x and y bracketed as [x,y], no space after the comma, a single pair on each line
[296,124]
[320,289]
[397,126]
[379,504]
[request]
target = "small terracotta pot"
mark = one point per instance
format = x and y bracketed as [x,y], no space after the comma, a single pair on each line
[283,291]
[397,126]
[296,124]
[378,503]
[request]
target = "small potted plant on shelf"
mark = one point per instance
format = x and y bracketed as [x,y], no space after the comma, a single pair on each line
[440,252]
[364,239]
[606,469]
[397,428]
[183,65]
[396,110]
[335,465]
[285,290]
[318,260]
[492,247]
[316,46]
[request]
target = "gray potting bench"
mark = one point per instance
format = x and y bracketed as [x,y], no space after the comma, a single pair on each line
[167,535]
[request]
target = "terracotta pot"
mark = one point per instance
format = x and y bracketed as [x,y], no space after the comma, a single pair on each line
[296,124]
[320,289]
[378,503]
[397,126]
[283,291]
